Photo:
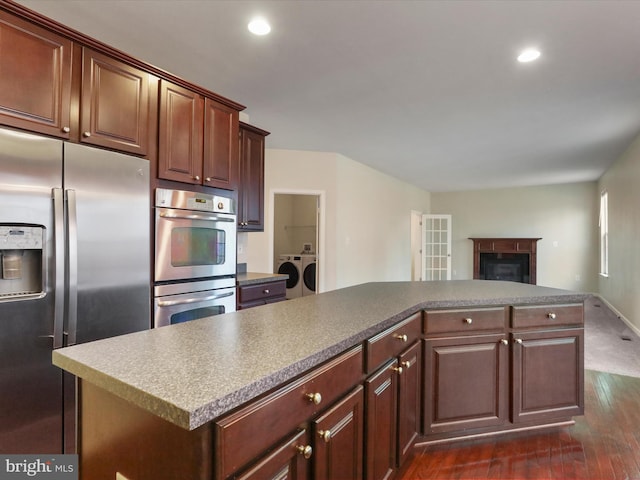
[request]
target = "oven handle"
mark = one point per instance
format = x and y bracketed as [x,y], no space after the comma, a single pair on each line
[196,217]
[170,303]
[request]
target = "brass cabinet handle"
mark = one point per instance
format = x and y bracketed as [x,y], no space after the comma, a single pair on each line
[468,321]
[325,435]
[86,134]
[305,450]
[519,341]
[66,129]
[551,315]
[315,398]
[504,341]
[397,369]
[266,290]
[197,177]
[402,338]
[406,364]
[208,179]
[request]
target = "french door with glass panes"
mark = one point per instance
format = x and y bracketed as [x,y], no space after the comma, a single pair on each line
[436,247]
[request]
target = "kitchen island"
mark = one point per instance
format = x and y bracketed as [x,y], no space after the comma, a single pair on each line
[181,401]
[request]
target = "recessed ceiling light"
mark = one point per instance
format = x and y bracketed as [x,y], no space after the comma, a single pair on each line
[528,55]
[259,26]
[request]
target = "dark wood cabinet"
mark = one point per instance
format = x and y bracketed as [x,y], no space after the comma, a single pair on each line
[409,401]
[180,134]
[466,382]
[198,139]
[338,439]
[251,183]
[483,374]
[289,460]
[35,78]
[261,293]
[114,107]
[381,392]
[220,156]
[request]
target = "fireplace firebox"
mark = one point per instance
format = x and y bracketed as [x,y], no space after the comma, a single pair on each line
[509,259]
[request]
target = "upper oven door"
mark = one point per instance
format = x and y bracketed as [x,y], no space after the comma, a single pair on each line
[191,244]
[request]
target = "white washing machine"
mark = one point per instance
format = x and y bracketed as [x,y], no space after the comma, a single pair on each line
[292,265]
[308,274]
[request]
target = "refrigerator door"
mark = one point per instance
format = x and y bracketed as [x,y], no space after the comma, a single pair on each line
[108,206]
[30,386]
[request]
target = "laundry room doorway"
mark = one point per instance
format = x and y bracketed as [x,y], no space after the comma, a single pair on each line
[296,240]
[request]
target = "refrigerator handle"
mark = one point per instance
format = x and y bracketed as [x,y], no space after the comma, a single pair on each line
[72,266]
[59,254]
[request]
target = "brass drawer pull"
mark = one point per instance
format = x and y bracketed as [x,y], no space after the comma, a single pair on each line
[519,341]
[406,364]
[402,338]
[305,450]
[266,291]
[551,316]
[468,321]
[504,341]
[316,398]
[325,435]
[397,369]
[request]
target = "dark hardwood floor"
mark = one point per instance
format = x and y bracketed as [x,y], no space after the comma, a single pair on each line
[603,444]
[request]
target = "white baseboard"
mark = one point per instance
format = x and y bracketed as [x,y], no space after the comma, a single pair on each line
[619,315]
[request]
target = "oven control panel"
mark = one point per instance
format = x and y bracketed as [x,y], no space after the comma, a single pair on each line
[194,201]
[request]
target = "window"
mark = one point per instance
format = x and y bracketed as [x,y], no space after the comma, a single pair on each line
[604,233]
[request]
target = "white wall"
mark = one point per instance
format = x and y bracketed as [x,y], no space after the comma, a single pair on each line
[365,218]
[622,182]
[565,216]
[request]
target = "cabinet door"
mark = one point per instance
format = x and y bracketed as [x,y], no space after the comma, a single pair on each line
[465,383]
[287,461]
[220,167]
[180,134]
[338,437]
[548,374]
[409,405]
[115,104]
[381,393]
[35,78]
[251,193]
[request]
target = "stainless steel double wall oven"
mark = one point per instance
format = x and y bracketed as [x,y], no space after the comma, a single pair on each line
[195,256]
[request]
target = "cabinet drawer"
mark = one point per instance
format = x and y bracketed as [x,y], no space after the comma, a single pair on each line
[262,291]
[546,316]
[238,441]
[465,321]
[392,341]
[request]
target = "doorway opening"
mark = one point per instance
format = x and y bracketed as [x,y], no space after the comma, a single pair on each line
[296,241]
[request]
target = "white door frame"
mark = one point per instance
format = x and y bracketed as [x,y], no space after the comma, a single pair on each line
[320,234]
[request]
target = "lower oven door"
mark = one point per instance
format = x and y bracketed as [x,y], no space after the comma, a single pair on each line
[183,307]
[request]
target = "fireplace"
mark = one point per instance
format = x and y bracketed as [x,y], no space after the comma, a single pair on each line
[509,259]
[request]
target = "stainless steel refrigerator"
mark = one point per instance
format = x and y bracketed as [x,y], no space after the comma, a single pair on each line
[74,267]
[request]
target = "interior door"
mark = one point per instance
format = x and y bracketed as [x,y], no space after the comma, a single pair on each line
[436,251]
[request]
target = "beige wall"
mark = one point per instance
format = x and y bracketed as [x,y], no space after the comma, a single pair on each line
[620,288]
[365,217]
[565,216]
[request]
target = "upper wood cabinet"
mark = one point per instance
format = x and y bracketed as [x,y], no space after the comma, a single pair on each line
[198,139]
[114,108]
[94,99]
[180,133]
[35,78]
[251,184]
[220,161]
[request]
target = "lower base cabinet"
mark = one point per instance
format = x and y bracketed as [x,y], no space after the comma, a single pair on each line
[466,384]
[338,440]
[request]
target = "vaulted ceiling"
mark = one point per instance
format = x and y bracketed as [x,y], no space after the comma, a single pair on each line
[427,91]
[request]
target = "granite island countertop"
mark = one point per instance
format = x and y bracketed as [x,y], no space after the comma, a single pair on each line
[194,372]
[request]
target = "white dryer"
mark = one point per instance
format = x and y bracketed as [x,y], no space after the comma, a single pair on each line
[308,274]
[292,265]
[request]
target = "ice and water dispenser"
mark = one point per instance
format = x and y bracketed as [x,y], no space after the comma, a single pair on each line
[21,261]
